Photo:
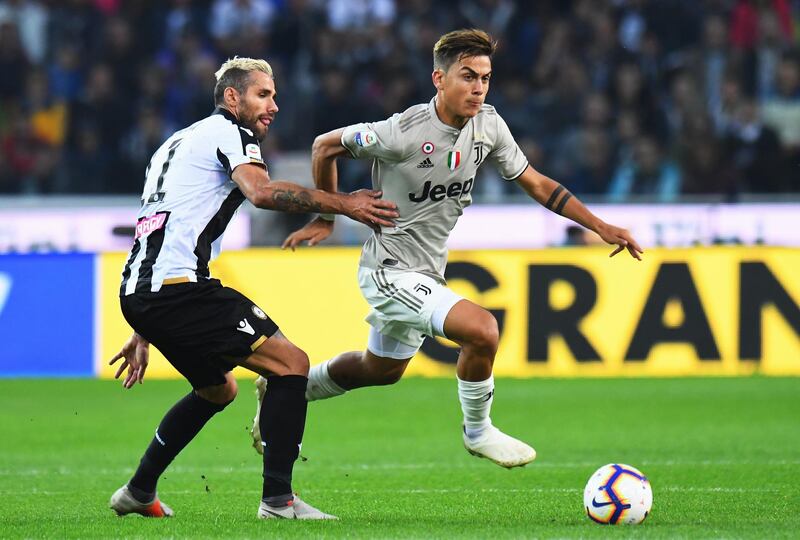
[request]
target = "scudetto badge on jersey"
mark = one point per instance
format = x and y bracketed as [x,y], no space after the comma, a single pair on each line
[253,151]
[365,138]
[453,160]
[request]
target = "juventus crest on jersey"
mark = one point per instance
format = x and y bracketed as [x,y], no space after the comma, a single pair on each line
[187,202]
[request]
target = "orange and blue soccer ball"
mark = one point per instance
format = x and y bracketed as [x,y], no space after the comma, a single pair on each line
[618,494]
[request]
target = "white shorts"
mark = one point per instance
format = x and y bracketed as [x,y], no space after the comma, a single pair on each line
[406,307]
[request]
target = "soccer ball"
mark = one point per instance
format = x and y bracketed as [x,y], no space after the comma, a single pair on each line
[616,494]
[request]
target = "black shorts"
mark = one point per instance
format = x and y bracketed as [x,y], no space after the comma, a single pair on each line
[203,328]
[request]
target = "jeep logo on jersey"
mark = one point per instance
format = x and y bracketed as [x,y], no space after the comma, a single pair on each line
[365,138]
[440,191]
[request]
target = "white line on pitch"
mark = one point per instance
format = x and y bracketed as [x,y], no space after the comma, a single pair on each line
[256,466]
[657,489]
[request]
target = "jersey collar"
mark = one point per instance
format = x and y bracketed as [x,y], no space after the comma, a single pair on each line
[438,123]
[228,115]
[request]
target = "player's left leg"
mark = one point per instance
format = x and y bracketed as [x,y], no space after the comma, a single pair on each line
[475,329]
[347,371]
[178,427]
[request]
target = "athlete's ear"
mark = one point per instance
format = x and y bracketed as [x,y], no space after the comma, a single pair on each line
[231,96]
[437,77]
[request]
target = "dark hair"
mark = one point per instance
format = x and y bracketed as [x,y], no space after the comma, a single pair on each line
[458,44]
[233,77]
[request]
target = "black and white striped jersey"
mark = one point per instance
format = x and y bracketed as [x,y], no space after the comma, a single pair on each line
[187,202]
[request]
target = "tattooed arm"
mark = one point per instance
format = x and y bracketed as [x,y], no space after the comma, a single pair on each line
[362,205]
[557,198]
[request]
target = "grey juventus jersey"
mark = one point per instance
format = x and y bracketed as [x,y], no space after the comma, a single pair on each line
[188,201]
[428,168]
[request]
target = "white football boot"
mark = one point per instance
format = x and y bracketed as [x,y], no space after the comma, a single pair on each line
[498,447]
[255,432]
[122,502]
[296,509]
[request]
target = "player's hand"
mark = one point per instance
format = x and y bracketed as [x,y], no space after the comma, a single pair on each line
[135,354]
[366,206]
[622,238]
[313,233]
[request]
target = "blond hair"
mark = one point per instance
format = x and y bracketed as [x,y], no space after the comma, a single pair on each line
[235,73]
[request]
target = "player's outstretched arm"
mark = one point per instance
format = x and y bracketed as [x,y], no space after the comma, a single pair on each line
[363,205]
[326,148]
[555,197]
[135,355]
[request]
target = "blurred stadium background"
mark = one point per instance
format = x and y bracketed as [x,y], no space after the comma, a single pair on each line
[622,99]
[678,119]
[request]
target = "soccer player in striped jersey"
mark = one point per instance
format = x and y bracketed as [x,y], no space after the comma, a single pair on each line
[426,160]
[194,184]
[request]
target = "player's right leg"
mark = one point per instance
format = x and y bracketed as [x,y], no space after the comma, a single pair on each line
[376,366]
[281,422]
[347,371]
[402,304]
[351,370]
[402,307]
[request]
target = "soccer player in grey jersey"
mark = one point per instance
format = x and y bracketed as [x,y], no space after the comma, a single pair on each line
[425,159]
[195,183]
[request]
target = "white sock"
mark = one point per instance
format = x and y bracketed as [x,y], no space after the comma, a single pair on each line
[476,403]
[320,384]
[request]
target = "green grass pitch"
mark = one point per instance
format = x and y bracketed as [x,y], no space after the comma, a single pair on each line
[723,457]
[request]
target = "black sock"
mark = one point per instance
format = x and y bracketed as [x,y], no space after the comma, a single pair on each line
[180,425]
[282,419]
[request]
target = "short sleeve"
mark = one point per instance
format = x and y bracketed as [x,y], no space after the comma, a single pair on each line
[236,146]
[506,155]
[375,140]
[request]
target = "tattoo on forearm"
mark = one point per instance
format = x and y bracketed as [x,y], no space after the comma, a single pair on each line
[553,196]
[287,200]
[551,202]
[563,202]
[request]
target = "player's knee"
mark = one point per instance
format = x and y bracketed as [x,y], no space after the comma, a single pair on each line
[221,394]
[388,376]
[297,362]
[485,337]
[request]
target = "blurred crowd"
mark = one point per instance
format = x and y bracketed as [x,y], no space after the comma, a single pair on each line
[614,98]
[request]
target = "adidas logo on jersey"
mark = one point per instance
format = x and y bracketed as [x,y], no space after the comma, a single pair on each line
[425,164]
